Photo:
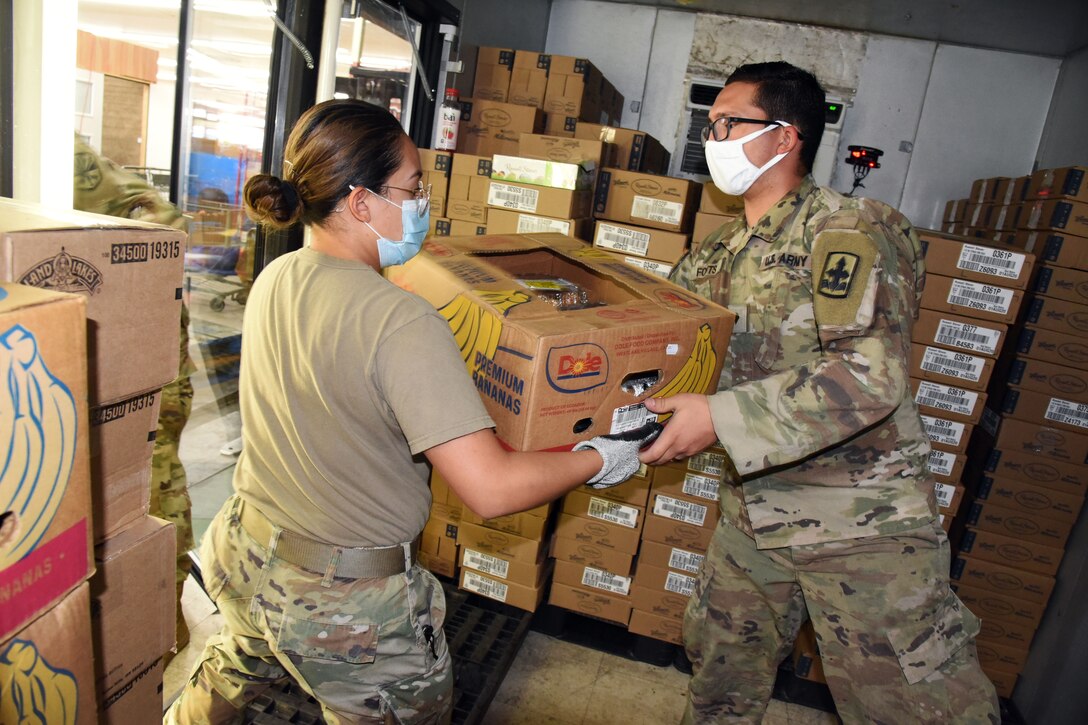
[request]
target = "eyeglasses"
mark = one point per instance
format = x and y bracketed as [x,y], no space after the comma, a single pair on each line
[421,194]
[720,128]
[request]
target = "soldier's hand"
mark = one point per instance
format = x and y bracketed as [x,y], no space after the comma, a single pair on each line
[690,429]
[619,452]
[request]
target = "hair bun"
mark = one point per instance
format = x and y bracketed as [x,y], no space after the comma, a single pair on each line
[272,201]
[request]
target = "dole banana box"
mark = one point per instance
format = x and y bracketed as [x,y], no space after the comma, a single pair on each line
[563,341]
[45,494]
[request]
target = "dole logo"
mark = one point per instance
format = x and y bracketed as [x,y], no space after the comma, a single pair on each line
[577,368]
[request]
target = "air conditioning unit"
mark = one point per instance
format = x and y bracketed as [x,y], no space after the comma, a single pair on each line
[690,162]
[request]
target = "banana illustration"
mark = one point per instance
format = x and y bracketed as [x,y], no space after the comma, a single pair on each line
[38,426]
[476,329]
[34,692]
[695,376]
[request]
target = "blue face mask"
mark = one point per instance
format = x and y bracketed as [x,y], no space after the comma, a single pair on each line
[415,218]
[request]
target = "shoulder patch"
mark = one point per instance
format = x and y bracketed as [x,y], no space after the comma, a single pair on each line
[838,274]
[845,262]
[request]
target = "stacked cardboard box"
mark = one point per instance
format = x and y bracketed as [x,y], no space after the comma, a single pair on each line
[438,543]
[635,150]
[466,202]
[492,74]
[505,558]
[437,166]
[493,127]
[994,210]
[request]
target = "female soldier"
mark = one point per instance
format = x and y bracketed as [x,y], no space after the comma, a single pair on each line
[347,382]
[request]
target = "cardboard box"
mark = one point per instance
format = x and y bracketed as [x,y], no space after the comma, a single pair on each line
[1042,440]
[961,259]
[506,569]
[440,227]
[1057,248]
[591,577]
[516,595]
[666,629]
[984,190]
[1000,655]
[661,578]
[591,506]
[1049,378]
[528,80]
[1062,316]
[522,524]
[592,602]
[47,671]
[438,543]
[500,543]
[492,127]
[971,299]
[568,150]
[1061,283]
[675,481]
[503,221]
[946,467]
[461,228]
[652,266]
[1035,588]
[551,377]
[475,213]
[1018,523]
[707,224]
[1066,182]
[959,369]
[1046,409]
[658,601]
[676,533]
[634,491]
[685,509]
[133,603]
[1025,466]
[540,200]
[470,165]
[139,701]
[585,554]
[955,332]
[1011,551]
[949,497]
[1070,217]
[119,266]
[493,67]
[713,200]
[1004,682]
[947,435]
[597,533]
[635,150]
[1020,495]
[664,556]
[948,401]
[542,172]
[954,210]
[806,655]
[1051,346]
[436,162]
[663,246]
[659,202]
[1012,191]
[45,490]
[575,95]
[993,606]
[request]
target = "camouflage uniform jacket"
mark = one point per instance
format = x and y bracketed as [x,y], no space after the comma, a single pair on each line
[814,404]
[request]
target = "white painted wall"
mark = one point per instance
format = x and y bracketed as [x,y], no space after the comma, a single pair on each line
[1065,138]
[160,124]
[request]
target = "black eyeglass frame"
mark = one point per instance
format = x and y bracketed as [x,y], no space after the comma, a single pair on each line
[730,121]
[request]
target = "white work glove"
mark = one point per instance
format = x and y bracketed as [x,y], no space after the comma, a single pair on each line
[620,453]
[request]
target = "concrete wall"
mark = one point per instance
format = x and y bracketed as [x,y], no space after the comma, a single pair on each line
[522,24]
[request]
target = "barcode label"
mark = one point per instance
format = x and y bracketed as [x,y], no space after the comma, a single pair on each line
[528,224]
[600,579]
[658,210]
[486,563]
[968,337]
[984,297]
[953,364]
[512,197]
[701,486]
[679,583]
[619,239]
[944,397]
[995,262]
[939,430]
[945,493]
[613,512]
[1068,412]
[941,462]
[678,510]
[659,268]
[712,464]
[629,417]
[484,587]
[685,560]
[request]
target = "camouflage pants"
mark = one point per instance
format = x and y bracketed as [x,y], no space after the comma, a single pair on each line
[897,645]
[369,650]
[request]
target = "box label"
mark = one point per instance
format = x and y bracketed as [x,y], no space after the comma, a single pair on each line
[944,397]
[941,463]
[947,432]
[945,493]
[629,417]
[679,510]
[487,564]
[485,587]
[628,241]
[953,364]
[987,260]
[600,579]
[513,197]
[613,512]
[968,337]
[680,583]
[654,267]
[658,210]
[701,486]
[984,297]
[685,560]
[1068,412]
[528,224]
[712,464]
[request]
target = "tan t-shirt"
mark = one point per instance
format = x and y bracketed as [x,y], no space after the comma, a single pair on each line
[346,379]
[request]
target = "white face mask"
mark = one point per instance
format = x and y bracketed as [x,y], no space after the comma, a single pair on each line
[730,168]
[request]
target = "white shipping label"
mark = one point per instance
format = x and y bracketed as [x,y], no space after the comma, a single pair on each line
[685,560]
[945,493]
[680,583]
[987,260]
[679,510]
[953,364]
[712,464]
[528,224]
[486,563]
[701,486]
[984,297]
[1068,412]
[600,579]
[941,462]
[968,337]
[629,417]
[512,197]
[652,266]
[939,430]
[658,210]
[619,239]
[613,512]
[945,397]
[485,587]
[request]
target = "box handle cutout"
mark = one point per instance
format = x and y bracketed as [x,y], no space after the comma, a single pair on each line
[637,384]
[582,425]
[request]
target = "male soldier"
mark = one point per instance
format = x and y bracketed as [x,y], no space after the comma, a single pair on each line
[828,512]
[103,187]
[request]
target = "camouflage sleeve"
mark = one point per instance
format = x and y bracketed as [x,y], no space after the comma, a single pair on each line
[103,187]
[858,380]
